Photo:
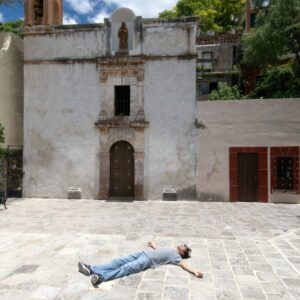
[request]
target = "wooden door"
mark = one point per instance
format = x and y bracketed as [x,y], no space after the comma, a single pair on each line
[248,177]
[122,170]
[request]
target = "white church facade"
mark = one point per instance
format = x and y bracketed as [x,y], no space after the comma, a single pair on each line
[109,108]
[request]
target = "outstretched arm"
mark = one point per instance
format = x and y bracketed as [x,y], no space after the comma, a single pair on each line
[152,245]
[189,269]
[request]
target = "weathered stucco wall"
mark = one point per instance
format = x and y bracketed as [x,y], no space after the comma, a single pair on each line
[64,90]
[222,56]
[150,37]
[62,42]
[244,123]
[11,87]
[170,154]
[61,143]
[169,38]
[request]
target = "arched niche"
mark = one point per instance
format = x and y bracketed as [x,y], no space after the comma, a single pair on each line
[120,15]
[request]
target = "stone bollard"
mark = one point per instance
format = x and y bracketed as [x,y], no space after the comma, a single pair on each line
[169,195]
[74,193]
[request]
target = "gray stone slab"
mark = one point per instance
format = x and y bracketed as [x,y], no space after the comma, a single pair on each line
[42,241]
[176,293]
[253,293]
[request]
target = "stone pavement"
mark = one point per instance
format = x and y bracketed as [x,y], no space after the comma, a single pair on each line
[246,250]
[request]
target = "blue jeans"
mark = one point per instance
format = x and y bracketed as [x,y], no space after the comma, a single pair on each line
[123,266]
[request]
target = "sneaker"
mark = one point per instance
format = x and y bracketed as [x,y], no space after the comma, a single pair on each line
[84,269]
[96,280]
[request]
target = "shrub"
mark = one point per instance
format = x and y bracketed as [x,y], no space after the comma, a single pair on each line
[225,92]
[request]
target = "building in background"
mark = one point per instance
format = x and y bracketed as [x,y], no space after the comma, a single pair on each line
[217,57]
[43,12]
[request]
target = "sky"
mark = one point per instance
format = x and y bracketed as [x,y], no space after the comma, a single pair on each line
[93,11]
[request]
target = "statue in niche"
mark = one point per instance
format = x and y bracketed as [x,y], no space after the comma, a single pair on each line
[123,37]
[38,9]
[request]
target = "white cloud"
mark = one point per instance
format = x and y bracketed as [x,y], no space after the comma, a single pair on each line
[147,9]
[82,6]
[1,18]
[99,18]
[68,20]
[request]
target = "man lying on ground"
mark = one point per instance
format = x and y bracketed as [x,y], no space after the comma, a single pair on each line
[138,262]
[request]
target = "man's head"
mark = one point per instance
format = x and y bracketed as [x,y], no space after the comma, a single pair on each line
[184,251]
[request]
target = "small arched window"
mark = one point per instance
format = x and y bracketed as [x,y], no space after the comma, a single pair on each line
[38,11]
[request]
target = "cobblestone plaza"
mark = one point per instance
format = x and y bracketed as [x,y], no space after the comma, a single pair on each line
[246,250]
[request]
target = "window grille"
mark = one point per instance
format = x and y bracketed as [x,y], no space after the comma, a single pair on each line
[285,173]
[204,88]
[122,100]
[207,58]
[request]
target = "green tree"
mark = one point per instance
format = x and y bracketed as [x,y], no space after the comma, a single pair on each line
[274,46]
[225,92]
[13,26]
[168,14]
[279,82]
[2,139]
[219,15]
[277,34]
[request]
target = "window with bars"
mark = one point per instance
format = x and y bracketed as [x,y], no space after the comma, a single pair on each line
[207,58]
[285,173]
[122,100]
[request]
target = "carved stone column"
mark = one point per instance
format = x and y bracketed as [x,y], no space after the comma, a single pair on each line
[104,176]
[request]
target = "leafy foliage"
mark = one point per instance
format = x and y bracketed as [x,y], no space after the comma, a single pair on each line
[219,15]
[168,14]
[277,34]
[274,46]
[225,92]
[2,139]
[13,26]
[280,82]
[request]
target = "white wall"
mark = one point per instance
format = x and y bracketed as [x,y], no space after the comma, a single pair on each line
[170,107]
[11,87]
[169,39]
[62,103]
[77,41]
[244,123]
[61,145]
[95,40]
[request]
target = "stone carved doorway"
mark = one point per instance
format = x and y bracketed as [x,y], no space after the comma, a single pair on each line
[121,170]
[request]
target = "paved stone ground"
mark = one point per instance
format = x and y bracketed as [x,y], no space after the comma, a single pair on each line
[246,250]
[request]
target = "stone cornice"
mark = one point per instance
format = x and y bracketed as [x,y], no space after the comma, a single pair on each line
[60,29]
[99,60]
[121,124]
